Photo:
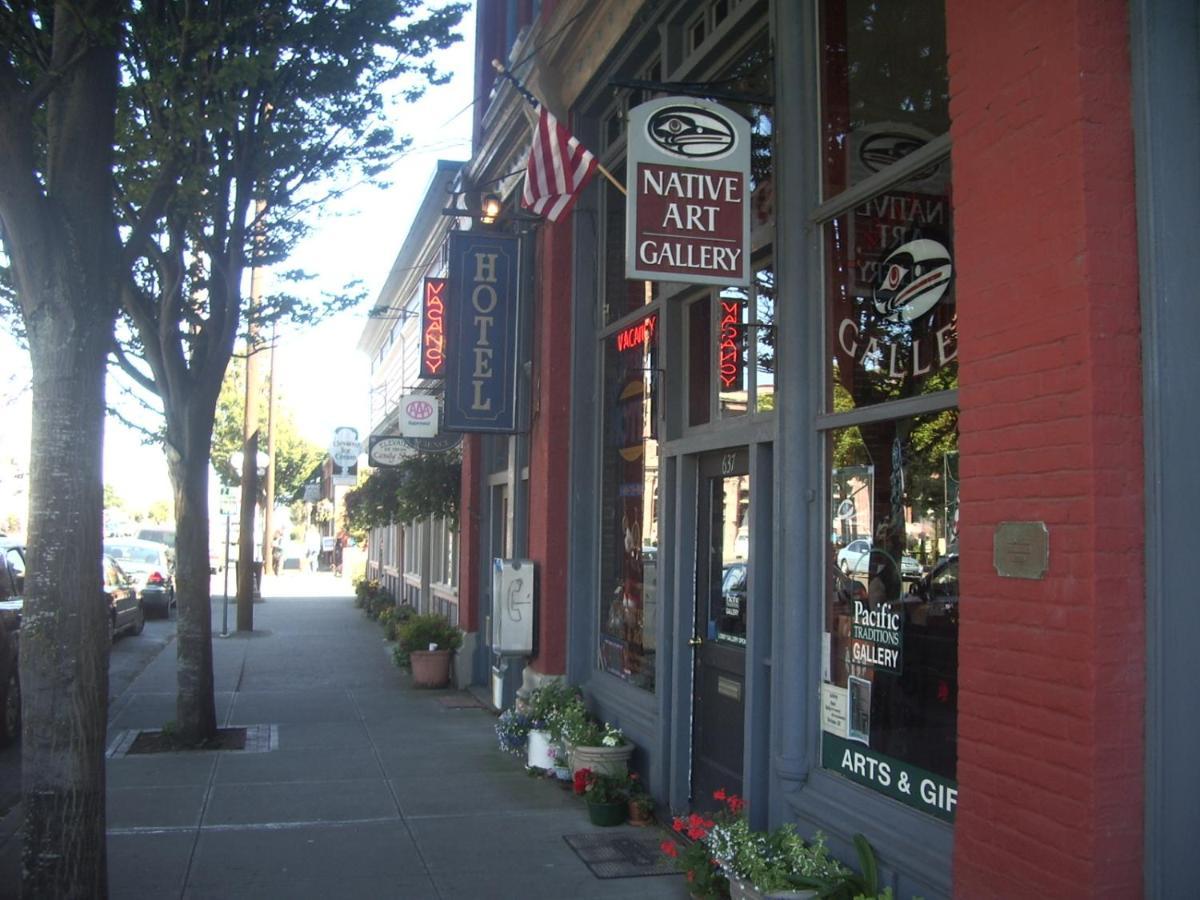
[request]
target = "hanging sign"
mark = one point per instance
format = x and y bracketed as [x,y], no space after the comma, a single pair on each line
[386,450]
[688,175]
[730,364]
[482,367]
[433,324]
[418,415]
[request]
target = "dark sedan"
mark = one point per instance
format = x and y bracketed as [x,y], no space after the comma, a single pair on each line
[152,568]
[125,612]
[12,585]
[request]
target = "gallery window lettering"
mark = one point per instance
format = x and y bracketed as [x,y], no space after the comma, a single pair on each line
[629,505]
[892,329]
[890,654]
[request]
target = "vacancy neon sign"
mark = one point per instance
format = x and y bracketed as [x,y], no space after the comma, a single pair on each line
[729,350]
[433,329]
[638,335]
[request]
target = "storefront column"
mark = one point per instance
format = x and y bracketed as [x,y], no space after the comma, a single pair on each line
[549,459]
[1051,666]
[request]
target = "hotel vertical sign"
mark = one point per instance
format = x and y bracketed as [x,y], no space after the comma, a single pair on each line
[433,329]
[482,364]
[688,175]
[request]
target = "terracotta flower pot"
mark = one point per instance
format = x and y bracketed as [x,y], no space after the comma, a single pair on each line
[430,668]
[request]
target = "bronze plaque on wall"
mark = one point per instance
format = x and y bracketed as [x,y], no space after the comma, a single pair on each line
[1021,549]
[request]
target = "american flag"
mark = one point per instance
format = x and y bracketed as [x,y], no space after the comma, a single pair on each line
[558,168]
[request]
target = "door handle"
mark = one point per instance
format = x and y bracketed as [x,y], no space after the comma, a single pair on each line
[695,641]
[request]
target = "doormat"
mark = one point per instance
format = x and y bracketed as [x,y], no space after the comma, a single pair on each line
[622,855]
[463,701]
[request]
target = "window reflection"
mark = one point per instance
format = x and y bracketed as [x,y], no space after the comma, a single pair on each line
[884,87]
[892,313]
[629,510]
[892,610]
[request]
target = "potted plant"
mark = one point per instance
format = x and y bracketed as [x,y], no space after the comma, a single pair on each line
[512,731]
[601,747]
[776,864]
[542,707]
[429,640]
[607,796]
[641,804]
[705,880]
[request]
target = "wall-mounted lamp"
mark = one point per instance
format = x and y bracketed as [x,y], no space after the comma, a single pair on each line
[489,209]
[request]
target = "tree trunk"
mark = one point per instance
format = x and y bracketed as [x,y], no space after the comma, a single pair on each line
[195,708]
[64,636]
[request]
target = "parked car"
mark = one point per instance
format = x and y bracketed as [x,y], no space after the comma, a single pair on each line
[12,586]
[855,559]
[125,612]
[151,565]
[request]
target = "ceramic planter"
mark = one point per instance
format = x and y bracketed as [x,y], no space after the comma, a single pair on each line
[602,760]
[430,668]
[606,814]
[740,889]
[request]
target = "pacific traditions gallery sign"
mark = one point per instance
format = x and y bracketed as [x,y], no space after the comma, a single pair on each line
[688,174]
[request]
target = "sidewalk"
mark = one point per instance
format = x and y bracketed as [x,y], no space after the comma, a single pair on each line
[370,789]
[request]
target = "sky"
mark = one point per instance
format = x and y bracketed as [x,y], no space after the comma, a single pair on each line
[320,373]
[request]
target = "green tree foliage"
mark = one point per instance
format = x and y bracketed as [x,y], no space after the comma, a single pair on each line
[295,456]
[424,486]
[112,499]
[236,121]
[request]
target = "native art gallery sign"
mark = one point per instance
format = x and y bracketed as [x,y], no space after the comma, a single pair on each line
[481,370]
[688,173]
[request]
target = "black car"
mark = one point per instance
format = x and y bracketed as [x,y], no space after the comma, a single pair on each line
[151,566]
[125,611]
[12,586]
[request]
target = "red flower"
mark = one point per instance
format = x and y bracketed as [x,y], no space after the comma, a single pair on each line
[580,782]
[691,876]
[677,824]
[719,794]
[669,848]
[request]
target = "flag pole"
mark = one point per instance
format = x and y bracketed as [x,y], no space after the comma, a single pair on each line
[535,103]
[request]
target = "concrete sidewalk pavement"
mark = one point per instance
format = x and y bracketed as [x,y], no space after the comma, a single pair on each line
[369,788]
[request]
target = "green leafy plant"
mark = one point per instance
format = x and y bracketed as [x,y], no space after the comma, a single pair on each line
[704,878]
[420,487]
[602,787]
[572,723]
[421,630]
[545,703]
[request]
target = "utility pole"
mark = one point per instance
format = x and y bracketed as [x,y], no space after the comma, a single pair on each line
[268,544]
[245,581]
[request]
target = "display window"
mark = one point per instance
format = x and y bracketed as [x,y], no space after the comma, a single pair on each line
[889,654]
[629,504]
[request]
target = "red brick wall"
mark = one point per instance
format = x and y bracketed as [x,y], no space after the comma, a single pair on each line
[1051,671]
[470,510]
[549,443]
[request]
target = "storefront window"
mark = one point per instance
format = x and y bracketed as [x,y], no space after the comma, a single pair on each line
[892,313]
[890,657]
[884,91]
[731,351]
[629,505]
[889,704]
